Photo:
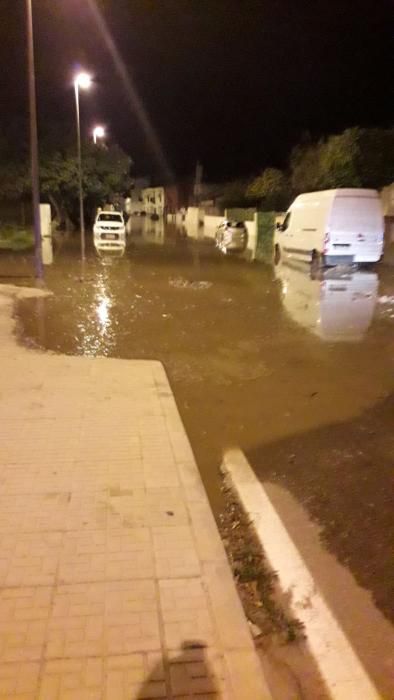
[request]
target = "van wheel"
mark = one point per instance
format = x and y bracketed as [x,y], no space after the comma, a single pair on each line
[316,259]
[277,254]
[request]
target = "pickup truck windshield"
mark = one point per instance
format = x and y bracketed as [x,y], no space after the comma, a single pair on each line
[109,217]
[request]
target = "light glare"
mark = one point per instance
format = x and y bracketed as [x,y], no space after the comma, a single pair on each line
[99,132]
[83,80]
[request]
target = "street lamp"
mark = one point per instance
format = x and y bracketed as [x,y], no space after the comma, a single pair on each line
[98,133]
[34,144]
[81,81]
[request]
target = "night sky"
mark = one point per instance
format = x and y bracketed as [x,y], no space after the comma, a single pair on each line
[234,83]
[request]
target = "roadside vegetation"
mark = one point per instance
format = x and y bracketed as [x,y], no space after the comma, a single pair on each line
[358,157]
[15,238]
[106,174]
[355,158]
[264,606]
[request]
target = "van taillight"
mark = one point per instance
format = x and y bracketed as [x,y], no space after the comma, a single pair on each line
[326,242]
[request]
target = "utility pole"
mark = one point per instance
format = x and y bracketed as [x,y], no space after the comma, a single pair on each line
[35,186]
[81,211]
[82,80]
[198,183]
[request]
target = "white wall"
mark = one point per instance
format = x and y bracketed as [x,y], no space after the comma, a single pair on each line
[387,197]
[192,222]
[210,225]
[193,216]
[252,237]
[46,234]
[45,218]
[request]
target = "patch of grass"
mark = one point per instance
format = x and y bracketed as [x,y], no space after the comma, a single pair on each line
[256,582]
[15,238]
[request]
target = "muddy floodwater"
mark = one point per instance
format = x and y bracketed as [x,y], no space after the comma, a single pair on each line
[298,372]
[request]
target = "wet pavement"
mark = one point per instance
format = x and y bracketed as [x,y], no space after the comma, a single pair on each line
[297,372]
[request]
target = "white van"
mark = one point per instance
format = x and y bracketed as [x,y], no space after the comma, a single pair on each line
[332,227]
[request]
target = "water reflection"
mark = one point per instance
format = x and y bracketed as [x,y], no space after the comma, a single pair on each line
[103,306]
[141,229]
[47,250]
[95,331]
[144,229]
[337,307]
[171,232]
[153,231]
[109,253]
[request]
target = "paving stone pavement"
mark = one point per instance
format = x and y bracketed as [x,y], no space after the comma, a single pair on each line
[114,583]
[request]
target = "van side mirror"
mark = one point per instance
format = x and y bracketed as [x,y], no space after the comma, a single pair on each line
[279,227]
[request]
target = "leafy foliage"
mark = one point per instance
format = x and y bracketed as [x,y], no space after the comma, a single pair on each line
[338,161]
[376,157]
[270,189]
[305,167]
[14,180]
[356,158]
[105,175]
[234,194]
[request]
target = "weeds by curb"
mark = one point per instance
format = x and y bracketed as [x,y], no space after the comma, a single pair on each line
[255,580]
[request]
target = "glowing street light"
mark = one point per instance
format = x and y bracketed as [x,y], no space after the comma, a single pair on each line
[81,81]
[98,133]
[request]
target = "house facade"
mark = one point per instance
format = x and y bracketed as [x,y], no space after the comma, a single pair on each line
[153,200]
[134,203]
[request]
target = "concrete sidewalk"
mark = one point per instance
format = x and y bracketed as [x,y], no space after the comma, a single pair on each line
[114,582]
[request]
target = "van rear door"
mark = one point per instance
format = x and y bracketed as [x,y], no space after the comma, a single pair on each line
[356,228]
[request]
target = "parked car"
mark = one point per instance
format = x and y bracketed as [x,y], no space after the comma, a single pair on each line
[109,230]
[231,236]
[332,227]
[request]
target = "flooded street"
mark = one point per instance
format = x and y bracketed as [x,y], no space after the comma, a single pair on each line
[297,372]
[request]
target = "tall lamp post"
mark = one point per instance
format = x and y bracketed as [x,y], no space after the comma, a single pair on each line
[82,80]
[39,271]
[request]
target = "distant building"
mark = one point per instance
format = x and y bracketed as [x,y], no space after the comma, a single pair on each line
[211,195]
[153,200]
[177,197]
[134,204]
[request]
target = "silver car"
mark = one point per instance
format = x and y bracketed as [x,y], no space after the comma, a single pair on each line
[231,237]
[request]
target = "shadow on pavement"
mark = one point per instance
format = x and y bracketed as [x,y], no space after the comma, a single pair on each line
[188,674]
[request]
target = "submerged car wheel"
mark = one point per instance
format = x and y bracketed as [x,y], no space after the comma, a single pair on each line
[277,254]
[317,264]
